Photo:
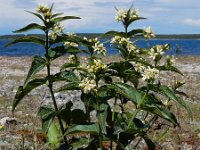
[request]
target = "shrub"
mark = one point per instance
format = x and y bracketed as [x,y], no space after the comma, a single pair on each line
[127,96]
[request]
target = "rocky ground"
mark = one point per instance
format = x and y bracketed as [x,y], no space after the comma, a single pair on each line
[27,131]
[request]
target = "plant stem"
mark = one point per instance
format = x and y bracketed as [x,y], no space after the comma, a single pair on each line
[133,116]
[50,85]
[98,110]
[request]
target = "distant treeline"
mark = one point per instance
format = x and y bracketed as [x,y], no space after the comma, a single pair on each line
[92,35]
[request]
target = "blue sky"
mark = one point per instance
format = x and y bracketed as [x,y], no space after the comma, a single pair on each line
[164,16]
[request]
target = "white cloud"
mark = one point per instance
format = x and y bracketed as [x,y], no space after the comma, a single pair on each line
[98,16]
[192,22]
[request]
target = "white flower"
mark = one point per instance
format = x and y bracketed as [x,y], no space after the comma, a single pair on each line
[99,48]
[42,8]
[85,38]
[115,39]
[121,14]
[72,58]
[134,13]
[170,60]
[96,66]
[120,40]
[94,40]
[87,85]
[139,67]
[156,51]
[56,30]
[72,44]
[71,34]
[53,35]
[150,73]
[132,48]
[148,33]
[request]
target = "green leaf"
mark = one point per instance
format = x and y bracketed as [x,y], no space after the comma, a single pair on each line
[135,32]
[169,68]
[57,14]
[46,114]
[23,91]
[81,143]
[171,95]
[114,33]
[29,27]
[36,14]
[53,136]
[162,112]
[59,19]
[149,142]
[68,65]
[38,64]
[91,128]
[29,39]
[102,116]
[133,20]
[69,86]
[126,91]
[56,52]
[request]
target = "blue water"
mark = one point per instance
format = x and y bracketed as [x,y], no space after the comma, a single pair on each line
[186,47]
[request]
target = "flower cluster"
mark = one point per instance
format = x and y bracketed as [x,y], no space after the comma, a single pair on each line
[121,14]
[125,42]
[72,44]
[169,60]
[99,48]
[155,51]
[56,30]
[139,67]
[70,34]
[148,33]
[87,85]
[134,13]
[120,40]
[150,73]
[42,8]
[45,11]
[96,66]
[146,72]
[72,58]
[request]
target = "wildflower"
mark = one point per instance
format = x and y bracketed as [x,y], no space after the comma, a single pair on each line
[87,85]
[134,13]
[115,39]
[72,44]
[132,48]
[56,30]
[85,38]
[41,8]
[121,14]
[94,40]
[47,14]
[148,33]
[169,60]
[150,73]
[139,67]
[120,40]
[99,48]
[71,34]
[96,66]
[156,51]
[72,58]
